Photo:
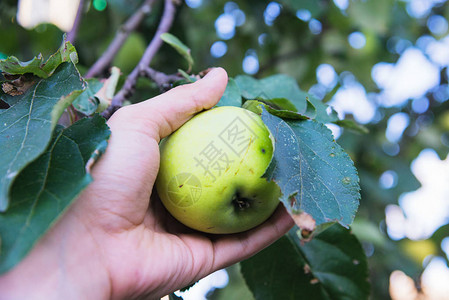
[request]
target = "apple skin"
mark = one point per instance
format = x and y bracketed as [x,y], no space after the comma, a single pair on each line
[210,172]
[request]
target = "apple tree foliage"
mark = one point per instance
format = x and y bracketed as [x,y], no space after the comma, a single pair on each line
[44,165]
[52,131]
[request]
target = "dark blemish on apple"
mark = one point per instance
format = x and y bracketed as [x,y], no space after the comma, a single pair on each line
[251,171]
[181,186]
[241,203]
[263,150]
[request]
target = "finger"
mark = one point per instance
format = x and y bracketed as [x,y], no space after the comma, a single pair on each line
[159,219]
[234,248]
[167,112]
[124,176]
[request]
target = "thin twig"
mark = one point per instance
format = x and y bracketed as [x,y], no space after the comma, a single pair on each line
[164,26]
[71,35]
[161,79]
[122,34]
[144,63]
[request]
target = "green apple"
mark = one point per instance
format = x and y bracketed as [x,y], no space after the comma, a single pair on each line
[210,176]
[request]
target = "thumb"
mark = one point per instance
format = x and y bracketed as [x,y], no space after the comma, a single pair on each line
[124,176]
[167,112]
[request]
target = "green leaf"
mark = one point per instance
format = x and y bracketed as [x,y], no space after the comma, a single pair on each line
[37,66]
[188,78]
[98,95]
[91,136]
[338,261]
[231,95]
[311,111]
[249,87]
[277,272]
[179,46]
[87,103]
[46,187]
[331,266]
[283,86]
[188,287]
[105,98]
[353,126]
[321,114]
[172,296]
[314,173]
[281,104]
[27,126]
[256,107]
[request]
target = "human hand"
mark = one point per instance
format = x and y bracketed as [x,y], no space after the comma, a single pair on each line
[117,241]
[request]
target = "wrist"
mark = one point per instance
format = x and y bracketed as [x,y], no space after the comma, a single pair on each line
[64,264]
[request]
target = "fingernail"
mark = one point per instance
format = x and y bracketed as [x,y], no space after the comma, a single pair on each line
[212,72]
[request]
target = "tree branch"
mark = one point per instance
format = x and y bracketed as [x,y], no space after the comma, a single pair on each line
[71,35]
[164,26]
[144,63]
[161,79]
[122,34]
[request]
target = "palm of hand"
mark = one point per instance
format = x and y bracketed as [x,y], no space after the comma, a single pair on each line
[116,243]
[148,241]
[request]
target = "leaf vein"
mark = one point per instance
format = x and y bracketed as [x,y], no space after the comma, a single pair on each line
[38,195]
[14,123]
[327,188]
[22,146]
